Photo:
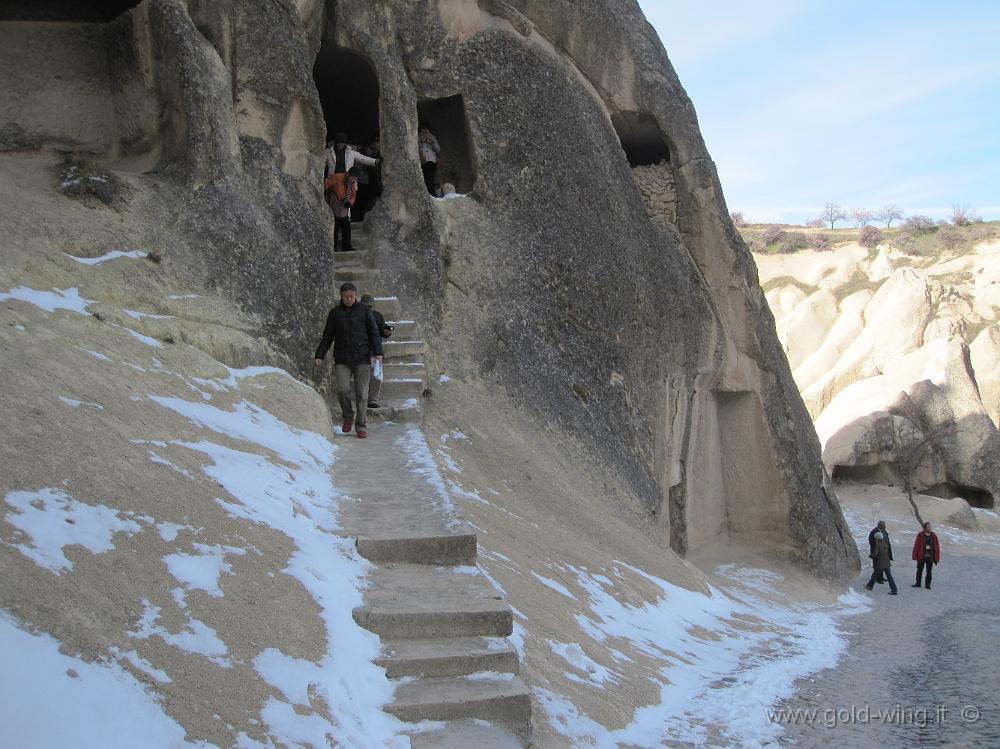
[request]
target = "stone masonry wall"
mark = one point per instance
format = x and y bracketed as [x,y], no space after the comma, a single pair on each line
[656,183]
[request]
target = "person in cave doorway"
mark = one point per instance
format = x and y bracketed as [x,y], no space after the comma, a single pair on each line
[429,149]
[351,329]
[340,159]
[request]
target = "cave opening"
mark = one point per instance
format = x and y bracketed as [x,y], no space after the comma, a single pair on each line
[447,120]
[886,474]
[648,154]
[975,496]
[641,139]
[349,94]
[78,11]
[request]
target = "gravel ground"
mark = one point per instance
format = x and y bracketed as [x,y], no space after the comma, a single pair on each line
[923,667]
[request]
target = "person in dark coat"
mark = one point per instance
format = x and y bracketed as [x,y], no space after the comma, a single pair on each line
[879,526]
[882,560]
[385,331]
[926,553]
[353,332]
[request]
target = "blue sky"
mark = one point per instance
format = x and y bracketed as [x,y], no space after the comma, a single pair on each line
[858,103]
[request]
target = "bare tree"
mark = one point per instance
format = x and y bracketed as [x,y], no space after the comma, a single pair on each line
[817,223]
[861,216]
[832,213]
[738,219]
[962,215]
[888,214]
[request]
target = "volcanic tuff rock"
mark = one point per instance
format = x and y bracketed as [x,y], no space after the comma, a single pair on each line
[647,345]
[896,358]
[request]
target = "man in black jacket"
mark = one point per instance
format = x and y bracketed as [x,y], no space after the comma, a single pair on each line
[352,330]
[879,527]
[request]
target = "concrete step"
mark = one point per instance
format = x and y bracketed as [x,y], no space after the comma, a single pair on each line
[401,388]
[395,349]
[398,368]
[400,411]
[415,601]
[356,275]
[465,734]
[351,259]
[449,657]
[389,306]
[404,330]
[501,699]
[442,549]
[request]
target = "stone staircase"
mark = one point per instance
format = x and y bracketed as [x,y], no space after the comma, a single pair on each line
[405,377]
[443,627]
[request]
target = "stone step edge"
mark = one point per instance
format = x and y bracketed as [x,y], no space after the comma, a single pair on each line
[508,704]
[491,622]
[465,660]
[444,549]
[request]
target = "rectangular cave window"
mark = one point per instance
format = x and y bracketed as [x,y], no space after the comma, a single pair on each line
[649,156]
[88,11]
[456,163]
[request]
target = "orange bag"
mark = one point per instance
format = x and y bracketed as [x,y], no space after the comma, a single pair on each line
[343,186]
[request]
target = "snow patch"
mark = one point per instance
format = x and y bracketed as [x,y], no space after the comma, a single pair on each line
[292,493]
[113,255]
[103,705]
[50,301]
[202,571]
[76,404]
[715,679]
[52,519]
[554,585]
[194,637]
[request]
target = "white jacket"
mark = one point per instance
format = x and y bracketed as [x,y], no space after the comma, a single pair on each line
[350,157]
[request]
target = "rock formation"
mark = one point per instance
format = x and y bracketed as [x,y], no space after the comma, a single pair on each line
[896,360]
[552,255]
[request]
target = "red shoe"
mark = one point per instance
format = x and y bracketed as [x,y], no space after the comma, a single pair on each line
[362,433]
[347,425]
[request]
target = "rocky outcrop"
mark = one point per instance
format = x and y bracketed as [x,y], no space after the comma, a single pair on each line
[888,371]
[553,255]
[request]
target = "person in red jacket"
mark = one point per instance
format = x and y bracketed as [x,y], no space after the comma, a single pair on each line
[926,553]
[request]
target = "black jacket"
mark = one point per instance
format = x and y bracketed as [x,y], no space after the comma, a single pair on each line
[353,333]
[383,329]
[871,541]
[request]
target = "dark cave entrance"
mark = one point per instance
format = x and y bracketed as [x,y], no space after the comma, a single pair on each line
[888,474]
[447,120]
[649,156]
[641,139]
[976,497]
[349,93]
[86,11]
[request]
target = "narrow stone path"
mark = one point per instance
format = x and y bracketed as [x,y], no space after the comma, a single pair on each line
[443,627]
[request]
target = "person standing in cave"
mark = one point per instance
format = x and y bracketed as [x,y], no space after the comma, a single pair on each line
[882,562]
[351,329]
[879,526]
[340,159]
[429,148]
[926,553]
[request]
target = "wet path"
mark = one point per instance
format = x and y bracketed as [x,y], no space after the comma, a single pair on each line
[922,670]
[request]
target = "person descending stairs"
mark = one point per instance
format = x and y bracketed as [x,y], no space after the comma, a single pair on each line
[443,626]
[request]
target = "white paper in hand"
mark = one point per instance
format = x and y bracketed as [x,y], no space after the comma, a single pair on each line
[377,370]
